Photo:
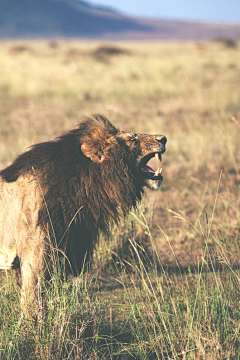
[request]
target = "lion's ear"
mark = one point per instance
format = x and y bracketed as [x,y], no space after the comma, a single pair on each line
[96,147]
[94,152]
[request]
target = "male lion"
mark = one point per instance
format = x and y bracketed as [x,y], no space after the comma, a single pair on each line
[61,194]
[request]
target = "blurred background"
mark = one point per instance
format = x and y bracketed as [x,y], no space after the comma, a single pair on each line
[198,10]
[113,19]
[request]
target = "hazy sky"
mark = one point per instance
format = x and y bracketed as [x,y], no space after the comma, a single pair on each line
[204,10]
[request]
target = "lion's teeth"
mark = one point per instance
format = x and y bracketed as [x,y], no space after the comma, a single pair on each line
[158,172]
[158,156]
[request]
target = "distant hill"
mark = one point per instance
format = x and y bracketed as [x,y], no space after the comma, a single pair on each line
[78,19]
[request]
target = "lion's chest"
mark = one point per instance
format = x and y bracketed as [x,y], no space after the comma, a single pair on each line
[19,206]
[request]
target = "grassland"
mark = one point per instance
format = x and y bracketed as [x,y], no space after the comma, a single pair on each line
[166,284]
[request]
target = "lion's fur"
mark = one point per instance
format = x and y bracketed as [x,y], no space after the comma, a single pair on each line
[67,190]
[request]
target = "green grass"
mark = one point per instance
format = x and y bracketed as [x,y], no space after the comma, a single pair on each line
[165,284]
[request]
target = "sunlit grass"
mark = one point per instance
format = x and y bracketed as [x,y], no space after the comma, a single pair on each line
[146,311]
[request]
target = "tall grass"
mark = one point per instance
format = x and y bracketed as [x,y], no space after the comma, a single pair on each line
[165,284]
[148,312]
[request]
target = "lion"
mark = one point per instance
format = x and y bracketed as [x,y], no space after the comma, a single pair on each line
[60,195]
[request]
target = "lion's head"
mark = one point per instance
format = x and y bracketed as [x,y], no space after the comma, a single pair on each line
[103,143]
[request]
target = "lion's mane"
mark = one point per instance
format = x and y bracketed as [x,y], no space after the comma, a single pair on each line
[80,198]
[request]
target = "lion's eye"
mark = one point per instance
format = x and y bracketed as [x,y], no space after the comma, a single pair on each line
[134,137]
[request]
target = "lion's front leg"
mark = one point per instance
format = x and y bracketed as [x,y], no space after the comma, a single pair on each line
[29,282]
[27,288]
[32,271]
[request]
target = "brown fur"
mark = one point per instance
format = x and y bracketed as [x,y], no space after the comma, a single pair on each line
[61,194]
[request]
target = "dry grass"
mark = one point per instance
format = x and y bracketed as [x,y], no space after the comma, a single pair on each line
[182,279]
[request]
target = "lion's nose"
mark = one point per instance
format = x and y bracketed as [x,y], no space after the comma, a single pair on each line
[162,139]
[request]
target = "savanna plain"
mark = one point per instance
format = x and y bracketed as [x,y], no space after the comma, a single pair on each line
[165,284]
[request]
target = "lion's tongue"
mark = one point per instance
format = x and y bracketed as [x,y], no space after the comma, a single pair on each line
[147,169]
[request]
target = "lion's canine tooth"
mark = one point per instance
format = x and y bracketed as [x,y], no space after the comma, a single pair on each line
[158,156]
[158,172]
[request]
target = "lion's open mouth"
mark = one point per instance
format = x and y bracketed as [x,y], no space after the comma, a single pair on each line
[146,171]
